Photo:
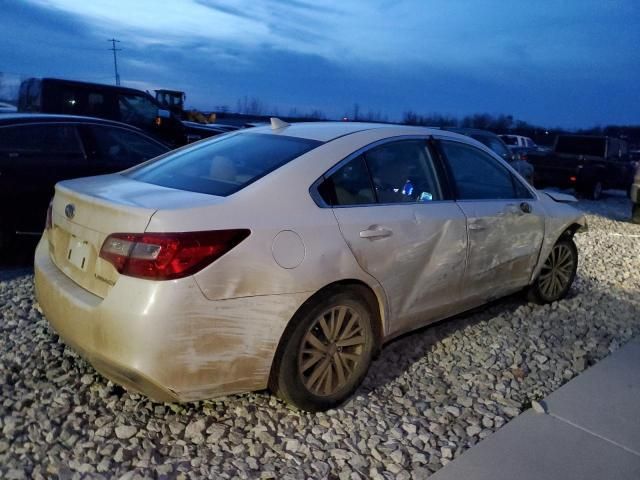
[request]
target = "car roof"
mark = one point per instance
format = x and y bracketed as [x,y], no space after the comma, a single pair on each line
[21,118]
[327,131]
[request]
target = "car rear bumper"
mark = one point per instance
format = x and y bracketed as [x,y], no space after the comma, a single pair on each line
[165,339]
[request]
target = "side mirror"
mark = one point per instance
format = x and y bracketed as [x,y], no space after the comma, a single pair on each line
[164,113]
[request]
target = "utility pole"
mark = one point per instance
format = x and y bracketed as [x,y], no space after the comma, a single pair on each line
[115,58]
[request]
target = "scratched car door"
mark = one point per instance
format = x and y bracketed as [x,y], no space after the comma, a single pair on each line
[505,223]
[392,214]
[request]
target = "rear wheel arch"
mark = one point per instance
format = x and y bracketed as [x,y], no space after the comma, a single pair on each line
[361,288]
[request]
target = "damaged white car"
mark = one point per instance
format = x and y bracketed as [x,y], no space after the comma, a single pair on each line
[286,256]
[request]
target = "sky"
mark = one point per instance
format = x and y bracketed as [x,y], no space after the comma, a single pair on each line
[550,62]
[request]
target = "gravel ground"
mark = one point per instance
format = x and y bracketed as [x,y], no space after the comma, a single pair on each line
[430,396]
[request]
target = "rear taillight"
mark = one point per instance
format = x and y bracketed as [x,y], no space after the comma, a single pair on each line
[167,256]
[49,221]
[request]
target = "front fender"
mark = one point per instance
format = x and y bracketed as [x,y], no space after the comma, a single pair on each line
[561,219]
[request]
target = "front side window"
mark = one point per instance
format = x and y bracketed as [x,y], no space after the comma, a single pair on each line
[477,176]
[225,165]
[403,172]
[494,145]
[123,147]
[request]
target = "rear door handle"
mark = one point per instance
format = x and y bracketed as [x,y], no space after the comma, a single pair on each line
[375,232]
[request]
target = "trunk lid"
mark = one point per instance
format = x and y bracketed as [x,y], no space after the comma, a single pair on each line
[86,211]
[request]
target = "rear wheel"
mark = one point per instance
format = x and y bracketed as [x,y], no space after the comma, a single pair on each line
[557,273]
[326,353]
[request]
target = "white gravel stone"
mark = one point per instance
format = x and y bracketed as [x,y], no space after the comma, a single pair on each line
[125,431]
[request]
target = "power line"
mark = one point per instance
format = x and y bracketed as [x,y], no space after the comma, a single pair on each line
[115,58]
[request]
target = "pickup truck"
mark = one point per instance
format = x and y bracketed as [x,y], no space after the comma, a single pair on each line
[589,164]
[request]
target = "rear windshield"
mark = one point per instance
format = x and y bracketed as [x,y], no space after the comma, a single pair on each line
[594,146]
[225,165]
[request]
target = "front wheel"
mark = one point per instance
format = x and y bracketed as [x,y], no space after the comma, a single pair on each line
[557,273]
[326,354]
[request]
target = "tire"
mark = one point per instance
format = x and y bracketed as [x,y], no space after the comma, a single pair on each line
[314,372]
[635,212]
[545,288]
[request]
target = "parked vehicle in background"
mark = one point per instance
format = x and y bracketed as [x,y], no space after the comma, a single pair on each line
[37,151]
[518,141]
[122,104]
[285,256]
[589,164]
[495,143]
[634,193]
[7,108]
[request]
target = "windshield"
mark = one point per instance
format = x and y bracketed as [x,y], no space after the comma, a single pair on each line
[594,146]
[225,165]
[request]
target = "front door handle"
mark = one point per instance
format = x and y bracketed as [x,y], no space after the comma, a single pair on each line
[525,207]
[374,232]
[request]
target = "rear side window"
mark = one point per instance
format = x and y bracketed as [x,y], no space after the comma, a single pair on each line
[349,185]
[477,176]
[403,172]
[123,147]
[40,139]
[225,165]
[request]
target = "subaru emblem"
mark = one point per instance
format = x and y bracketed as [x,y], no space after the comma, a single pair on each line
[70,210]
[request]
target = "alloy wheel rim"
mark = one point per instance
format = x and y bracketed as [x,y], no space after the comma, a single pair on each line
[556,272]
[331,350]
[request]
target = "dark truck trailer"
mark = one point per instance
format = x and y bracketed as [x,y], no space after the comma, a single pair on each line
[126,105]
[589,164]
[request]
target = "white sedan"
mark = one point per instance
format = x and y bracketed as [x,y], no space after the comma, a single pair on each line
[285,256]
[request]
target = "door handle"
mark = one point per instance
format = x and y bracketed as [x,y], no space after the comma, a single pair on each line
[375,232]
[525,207]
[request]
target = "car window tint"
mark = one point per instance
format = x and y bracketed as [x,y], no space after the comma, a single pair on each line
[224,165]
[476,175]
[522,191]
[403,172]
[349,185]
[123,147]
[494,144]
[137,110]
[40,139]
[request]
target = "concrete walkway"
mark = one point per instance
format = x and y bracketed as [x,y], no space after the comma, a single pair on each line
[591,430]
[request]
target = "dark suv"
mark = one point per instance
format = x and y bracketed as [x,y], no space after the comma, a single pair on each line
[37,151]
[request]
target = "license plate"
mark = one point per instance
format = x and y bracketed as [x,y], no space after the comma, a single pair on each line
[78,253]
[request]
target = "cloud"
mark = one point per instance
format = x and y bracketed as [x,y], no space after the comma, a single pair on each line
[545,65]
